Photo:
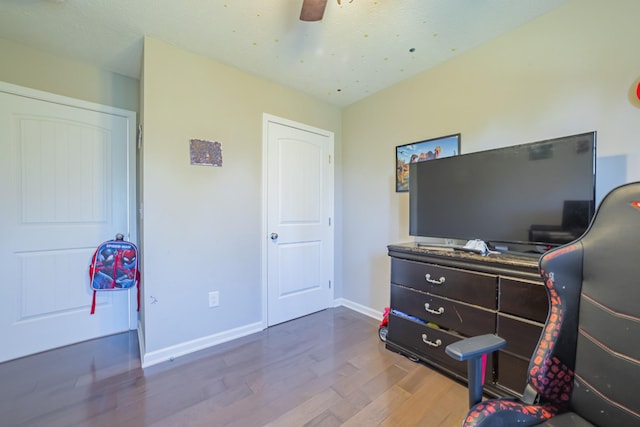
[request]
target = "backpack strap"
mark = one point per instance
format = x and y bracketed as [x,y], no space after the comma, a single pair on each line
[93,303]
[138,286]
[92,268]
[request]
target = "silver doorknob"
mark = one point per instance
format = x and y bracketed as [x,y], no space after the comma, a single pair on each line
[274,236]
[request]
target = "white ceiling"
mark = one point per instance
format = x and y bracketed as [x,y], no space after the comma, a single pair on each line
[358,48]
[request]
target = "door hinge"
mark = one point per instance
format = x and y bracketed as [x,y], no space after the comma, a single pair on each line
[139,137]
[329,158]
[329,221]
[329,284]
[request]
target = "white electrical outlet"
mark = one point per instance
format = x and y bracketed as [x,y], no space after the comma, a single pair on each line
[214,299]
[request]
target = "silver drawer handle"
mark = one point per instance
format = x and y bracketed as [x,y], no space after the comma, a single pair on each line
[429,310]
[428,278]
[438,343]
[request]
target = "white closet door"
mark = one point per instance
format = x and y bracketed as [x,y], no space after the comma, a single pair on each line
[299,219]
[65,180]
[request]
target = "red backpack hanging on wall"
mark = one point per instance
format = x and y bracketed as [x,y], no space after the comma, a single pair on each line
[114,267]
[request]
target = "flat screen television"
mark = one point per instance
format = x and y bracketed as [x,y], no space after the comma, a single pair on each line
[535,194]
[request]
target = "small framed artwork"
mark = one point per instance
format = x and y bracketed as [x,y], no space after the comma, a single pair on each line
[206,153]
[420,151]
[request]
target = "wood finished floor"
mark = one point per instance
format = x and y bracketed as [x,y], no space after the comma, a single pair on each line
[326,369]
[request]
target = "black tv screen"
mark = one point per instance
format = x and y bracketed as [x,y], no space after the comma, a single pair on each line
[540,193]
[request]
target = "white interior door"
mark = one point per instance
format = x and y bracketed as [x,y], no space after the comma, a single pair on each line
[299,210]
[67,185]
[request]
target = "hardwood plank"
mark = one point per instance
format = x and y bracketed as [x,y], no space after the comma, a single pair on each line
[326,369]
[312,411]
[380,409]
[423,406]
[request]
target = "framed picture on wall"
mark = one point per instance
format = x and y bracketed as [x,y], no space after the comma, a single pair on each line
[203,152]
[420,151]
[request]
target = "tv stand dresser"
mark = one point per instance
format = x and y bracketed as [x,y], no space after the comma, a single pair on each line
[439,296]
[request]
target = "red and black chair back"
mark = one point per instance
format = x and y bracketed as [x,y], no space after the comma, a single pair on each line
[586,367]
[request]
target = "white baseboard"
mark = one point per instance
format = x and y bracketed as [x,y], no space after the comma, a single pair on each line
[182,349]
[170,353]
[367,311]
[141,342]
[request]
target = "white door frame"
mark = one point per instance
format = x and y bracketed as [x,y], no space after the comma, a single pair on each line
[131,158]
[266,118]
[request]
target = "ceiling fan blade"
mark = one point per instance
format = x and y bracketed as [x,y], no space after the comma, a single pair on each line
[312,10]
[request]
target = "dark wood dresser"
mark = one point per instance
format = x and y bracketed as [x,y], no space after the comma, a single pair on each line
[439,296]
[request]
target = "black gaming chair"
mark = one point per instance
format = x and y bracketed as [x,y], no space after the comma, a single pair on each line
[586,368]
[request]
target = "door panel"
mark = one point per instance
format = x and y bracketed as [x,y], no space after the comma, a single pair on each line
[65,179]
[64,171]
[57,268]
[299,268]
[299,211]
[300,180]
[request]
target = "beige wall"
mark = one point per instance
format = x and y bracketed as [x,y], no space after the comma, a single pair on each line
[202,225]
[25,66]
[569,71]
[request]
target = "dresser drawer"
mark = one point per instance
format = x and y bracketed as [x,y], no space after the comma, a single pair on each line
[427,342]
[522,337]
[523,298]
[415,337]
[464,319]
[471,287]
